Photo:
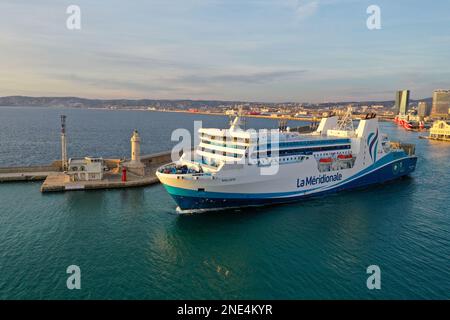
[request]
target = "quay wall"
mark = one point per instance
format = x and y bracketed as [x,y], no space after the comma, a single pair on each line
[30,169]
[156,159]
[148,160]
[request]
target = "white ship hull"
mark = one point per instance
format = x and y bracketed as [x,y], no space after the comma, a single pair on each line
[289,185]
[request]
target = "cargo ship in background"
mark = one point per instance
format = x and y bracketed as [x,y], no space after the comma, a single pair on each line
[233,167]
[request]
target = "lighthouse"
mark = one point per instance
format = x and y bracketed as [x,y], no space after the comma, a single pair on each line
[135,165]
[135,147]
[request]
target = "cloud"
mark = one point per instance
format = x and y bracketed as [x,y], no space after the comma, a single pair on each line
[190,84]
[306,8]
[111,84]
[239,78]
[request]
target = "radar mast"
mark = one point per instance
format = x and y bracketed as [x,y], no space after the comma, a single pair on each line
[346,122]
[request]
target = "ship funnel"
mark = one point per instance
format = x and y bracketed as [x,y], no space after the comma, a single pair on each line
[327,123]
[367,126]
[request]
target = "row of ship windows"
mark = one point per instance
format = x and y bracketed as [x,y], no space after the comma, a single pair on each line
[309,143]
[331,153]
[234,146]
[283,153]
[292,158]
[319,155]
[284,159]
[225,138]
[280,144]
[227,154]
[307,151]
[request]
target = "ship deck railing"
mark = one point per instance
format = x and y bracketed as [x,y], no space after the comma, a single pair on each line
[409,148]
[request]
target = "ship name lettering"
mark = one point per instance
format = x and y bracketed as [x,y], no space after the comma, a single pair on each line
[314,180]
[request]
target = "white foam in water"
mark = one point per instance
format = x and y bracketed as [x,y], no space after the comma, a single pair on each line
[197,211]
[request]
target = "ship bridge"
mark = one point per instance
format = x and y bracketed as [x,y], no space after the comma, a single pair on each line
[222,145]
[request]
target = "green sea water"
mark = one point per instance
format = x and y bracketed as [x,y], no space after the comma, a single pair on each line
[131,243]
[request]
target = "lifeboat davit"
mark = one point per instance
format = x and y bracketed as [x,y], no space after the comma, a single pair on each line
[325,160]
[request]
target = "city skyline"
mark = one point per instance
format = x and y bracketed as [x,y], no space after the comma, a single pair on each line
[316,51]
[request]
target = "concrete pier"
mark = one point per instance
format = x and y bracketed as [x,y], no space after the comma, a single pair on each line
[59,181]
[56,180]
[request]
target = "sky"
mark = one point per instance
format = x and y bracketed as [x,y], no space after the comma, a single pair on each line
[251,50]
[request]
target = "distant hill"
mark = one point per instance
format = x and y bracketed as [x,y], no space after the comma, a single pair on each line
[75,102]
[101,103]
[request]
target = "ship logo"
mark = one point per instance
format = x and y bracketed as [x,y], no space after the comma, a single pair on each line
[372,142]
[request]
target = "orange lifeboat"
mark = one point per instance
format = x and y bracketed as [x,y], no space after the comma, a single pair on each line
[325,160]
[345,156]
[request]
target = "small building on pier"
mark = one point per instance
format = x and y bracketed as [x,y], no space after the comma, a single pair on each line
[86,169]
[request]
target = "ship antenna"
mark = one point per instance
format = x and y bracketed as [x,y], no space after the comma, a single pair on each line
[346,122]
[63,143]
[242,116]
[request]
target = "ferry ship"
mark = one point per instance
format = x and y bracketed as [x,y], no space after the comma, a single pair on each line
[233,167]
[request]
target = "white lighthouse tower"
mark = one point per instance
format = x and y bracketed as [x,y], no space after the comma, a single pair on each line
[135,165]
[135,147]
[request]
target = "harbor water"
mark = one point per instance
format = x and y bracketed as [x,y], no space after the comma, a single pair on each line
[132,244]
